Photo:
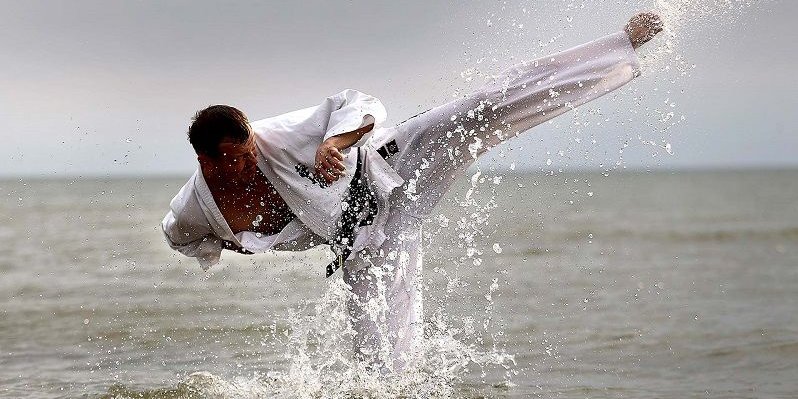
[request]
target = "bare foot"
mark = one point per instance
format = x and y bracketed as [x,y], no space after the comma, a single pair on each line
[643,27]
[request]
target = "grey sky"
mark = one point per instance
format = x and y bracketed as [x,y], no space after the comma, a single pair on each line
[108,88]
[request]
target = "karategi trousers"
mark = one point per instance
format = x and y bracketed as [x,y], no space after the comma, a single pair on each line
[434,148]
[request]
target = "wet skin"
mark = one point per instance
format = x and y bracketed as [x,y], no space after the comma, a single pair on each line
[246,198]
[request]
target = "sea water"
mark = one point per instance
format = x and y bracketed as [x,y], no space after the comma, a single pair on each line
[548,284]
[635,285]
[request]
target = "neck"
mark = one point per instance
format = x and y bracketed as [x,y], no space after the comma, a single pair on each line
[214,177]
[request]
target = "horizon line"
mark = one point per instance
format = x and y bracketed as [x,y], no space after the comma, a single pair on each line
[504,170]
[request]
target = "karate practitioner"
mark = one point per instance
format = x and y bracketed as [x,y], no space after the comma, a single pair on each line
[331,174]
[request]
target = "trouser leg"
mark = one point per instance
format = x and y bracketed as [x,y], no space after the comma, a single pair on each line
[385,305]
[435,146]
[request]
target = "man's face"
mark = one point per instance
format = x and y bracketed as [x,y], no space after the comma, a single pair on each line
[236,161]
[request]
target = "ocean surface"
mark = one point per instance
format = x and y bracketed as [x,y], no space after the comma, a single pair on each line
[558,285]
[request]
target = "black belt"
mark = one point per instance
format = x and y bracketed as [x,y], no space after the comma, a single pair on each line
[360,210]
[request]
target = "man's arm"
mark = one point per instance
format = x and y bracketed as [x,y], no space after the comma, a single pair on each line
[346,140]
[194,241]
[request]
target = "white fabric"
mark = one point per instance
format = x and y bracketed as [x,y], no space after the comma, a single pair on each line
[195,227]
[434,148]
[292,139]
[385,307]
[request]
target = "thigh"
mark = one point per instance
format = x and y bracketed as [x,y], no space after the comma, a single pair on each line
[386,304]
[392,268]
[435,147]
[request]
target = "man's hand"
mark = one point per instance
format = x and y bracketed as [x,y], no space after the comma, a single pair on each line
[329,160]
[643,27]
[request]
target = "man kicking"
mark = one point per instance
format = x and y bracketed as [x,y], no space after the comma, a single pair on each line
[331,174]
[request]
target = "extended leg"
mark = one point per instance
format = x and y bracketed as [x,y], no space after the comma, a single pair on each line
[434,147]
[438,144]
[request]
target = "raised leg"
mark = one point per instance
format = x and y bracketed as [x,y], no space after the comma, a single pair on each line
[435,146]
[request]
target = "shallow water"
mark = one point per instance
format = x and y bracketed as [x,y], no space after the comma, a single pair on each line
[639,285]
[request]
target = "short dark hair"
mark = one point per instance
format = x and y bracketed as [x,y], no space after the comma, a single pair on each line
[212,125]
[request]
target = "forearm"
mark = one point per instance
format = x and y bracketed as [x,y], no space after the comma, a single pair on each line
[346,140]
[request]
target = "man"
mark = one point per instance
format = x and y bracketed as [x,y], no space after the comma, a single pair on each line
[331,174]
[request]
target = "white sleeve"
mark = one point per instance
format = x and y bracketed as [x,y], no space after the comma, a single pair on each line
[352,110]
[192,241]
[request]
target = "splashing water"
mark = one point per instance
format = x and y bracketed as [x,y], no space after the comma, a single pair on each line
[320,347]
[684,21]
[319,340]
[320,343]
[320,363]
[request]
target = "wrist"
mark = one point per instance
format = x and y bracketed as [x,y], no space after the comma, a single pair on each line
[337,142]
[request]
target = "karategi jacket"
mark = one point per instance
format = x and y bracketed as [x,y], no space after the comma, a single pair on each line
[286,146]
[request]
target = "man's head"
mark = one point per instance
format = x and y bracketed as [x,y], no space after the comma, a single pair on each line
[224,143]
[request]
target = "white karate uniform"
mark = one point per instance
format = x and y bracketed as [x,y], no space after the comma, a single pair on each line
[385,267]
[434,148]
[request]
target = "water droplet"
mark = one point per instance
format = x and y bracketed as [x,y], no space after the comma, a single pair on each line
[497,248]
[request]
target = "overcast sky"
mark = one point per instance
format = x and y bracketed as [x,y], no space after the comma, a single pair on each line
[108,87]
